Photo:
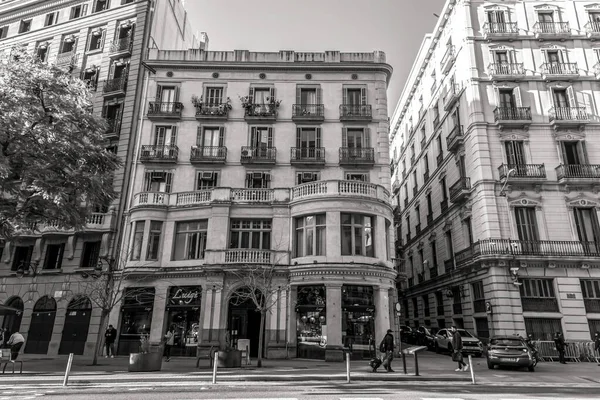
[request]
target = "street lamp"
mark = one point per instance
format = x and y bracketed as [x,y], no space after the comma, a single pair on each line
[98,269]
[27,268]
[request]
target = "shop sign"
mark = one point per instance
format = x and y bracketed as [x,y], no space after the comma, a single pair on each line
[185,295]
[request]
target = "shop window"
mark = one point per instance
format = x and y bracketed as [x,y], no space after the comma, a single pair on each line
[543,328]
[154,240]
[250,234]
[54,256]
[310,235]
[358,319]
[183,314]
[190,240]
[136,318]
[357,235]
[90,254]
[310,322]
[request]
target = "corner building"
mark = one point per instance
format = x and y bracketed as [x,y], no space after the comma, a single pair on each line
[103,42]
[249,158]
[496,171]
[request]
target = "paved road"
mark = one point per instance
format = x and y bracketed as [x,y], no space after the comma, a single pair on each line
[312,391]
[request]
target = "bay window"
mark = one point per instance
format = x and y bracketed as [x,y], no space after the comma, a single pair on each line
[310,235]
[357,235]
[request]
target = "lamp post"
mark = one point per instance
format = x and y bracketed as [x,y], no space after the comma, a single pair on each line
[27,268]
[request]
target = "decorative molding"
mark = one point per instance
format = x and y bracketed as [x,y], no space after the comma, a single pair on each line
[568,135]
[432,237]
[594,7]
[546,7]
[524,200]
[582,201]
[420,245]
[552,46]
[447,225]
[512,135]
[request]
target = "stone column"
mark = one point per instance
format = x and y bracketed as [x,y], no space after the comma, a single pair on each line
[157,326]
[382,314]
[291,323]
[334,350]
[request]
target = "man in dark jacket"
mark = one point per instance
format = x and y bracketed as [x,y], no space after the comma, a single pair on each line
[457,346]
[559,343]
[387,346]
[597,343]
[109,340]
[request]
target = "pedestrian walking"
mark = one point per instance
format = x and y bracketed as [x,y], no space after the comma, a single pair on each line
[457,346]
[169,341]
[559,343]
[15,342]
[109,341]
[597,343]
[387,346]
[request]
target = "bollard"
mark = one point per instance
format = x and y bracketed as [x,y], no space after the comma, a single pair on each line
[215,362]
[68,370]
[416,364]
[404,362]
[347,367]
[472,372]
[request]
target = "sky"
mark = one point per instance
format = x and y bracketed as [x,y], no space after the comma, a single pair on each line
[396,27]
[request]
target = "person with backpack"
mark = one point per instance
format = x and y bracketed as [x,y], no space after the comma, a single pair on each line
[387,346]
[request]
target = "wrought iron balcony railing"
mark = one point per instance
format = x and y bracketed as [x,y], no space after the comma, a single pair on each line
[568,114]
[460,188]
[165,109]
[554,68]
[578,171]
[552,248]
[354,111]
[363,155]
[252,154]
[311,155]
[115,85]
[504,68]
[308,111]
[512,114]
[522,171]
[592,27]
[121,45]
[208,154]
[159,153]
[552,28]
[261,111]
[500,28]
[212,110]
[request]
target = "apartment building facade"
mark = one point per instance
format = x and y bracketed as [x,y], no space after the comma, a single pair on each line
[496,171]
[103,42]
[252,159]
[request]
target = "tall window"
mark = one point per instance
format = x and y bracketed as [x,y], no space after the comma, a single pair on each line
[514,152]
[469,230]
[190,240]
[165,136]
[449,245]
[307,139]
[438,139]
[444,190]
[573,152]
[588,229]
[207,179]
[308,96]
[21,257]
[95,39]
[538,288]
[214,96]
[355,96]
[250,234]
[90,254]
[310,235]
[355,138]
[210,137]
[434,255]
[357,235]
[429,206]
[154,240]
[415,305]
[158,181]
[138,238]
[25,26]
[54,256]
[51,19]
[261,138]
[526,223]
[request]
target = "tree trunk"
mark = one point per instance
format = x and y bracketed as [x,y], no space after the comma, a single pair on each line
[261,338]
[99,339]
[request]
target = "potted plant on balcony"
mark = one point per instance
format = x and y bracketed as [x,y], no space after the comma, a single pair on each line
[211,109]
[229,357]
[266,109]
[148,359]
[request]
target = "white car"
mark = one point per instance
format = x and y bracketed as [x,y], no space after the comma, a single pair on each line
[443,342]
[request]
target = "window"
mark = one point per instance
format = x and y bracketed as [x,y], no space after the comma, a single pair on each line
[356,138]
[90,254]
[42,51]
[3,32]
[355,96]
[308,139]
[25,26]
[444,190]
[543,328]
[250,234]
[90,77]
[573,152]
[438,139]
[546,17]
[165,136]
[526,223]
[190,240]
[21,257]
[449,245]
[258,180]
[51,19]
[310,235]
[119,69]
[514,152]
[95,39]
[138,238]
[112,111]
[482,327]
[261,138]
[588,229]
[421,275]
[508,100]
[415,305]
[101,5]
[357,235]
[434,256]
[307,176]
[538,288]
[429,206]
[209,139]
[408,227]
[436,115]
[78,11]
[214,96]
[357,176]
[154,240]
[167,95]
[418,215]
[54,256]
[308,95]
[425,299]
[469,230]
[158,181]
[207,179]
[426,165]
[68,44]
[496,17]
[590,289]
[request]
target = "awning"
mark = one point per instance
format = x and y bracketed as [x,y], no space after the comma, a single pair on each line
[5,310]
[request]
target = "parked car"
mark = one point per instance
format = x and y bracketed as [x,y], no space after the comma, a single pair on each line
[510,351]
[424,337]
[406,334]
[443,342]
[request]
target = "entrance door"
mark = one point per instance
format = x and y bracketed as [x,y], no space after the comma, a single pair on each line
[12,322]
[244,323]
[77,323]
[42,324]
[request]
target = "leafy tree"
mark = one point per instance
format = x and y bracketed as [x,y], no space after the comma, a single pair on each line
[54,167]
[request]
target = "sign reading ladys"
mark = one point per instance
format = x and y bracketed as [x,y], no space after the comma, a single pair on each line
[185,295]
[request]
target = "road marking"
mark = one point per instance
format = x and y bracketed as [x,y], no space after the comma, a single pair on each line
[440,398]
[361,398]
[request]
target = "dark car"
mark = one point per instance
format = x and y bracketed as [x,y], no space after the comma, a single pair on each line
[406,334]
[424,337]
[510,351]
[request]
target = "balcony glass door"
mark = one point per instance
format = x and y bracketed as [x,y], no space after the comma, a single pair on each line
[165,136]
[527,229]
[507,100]
[261,100]
[308,96]
[514,153]
[209,140]
[588,229]
[167,97]
[496,17]
[307,141]
[571,153]
[214,96]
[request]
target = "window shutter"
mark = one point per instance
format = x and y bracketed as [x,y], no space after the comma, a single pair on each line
[298,95]
[298,137]
[251,95]
[221,136]
[272,93]
[199,140]
[173,135]
[318,137]
[344,137]
[345,96]
[248,179]
[319,96]
[147,181]
[84,10]
[582,152]
[104,110]
[254,137]
[176,95]
[168,182]
[517,96]
[363,96]
[571,97]
[158,90]
[367,133]
[270,139]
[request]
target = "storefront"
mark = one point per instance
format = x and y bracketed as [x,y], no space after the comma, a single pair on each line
[136,317]
[358,320]
[311,324]
[183,313]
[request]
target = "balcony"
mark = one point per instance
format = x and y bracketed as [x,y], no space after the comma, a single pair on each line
[251,195]
[568,117]
[455,139]
[68,59]
[592,305]
[357,156]
[545,248]
[195,198]
[113,129]
[559,70]
[448,59]
[592,29]
[457,308]
[246,256]
[159,154]
[151,199]
[452,96]
[307,155]
[479,305]
[258,155]
[539,304]
[506,71]
[524,172]
[353,112]
[500,30]
[335,188]
[212,111]
[261,112]
[208,154]
[121,47]
[552,30]
[114,87]
[308,112]
[164,110]
[578,173]
[460,190]
[512,117]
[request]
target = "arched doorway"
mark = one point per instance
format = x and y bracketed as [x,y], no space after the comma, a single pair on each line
[244,320]
[12,321]
[42,324]
[77,324]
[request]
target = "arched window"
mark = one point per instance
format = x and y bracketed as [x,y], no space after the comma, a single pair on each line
[45,303]
[80,302]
